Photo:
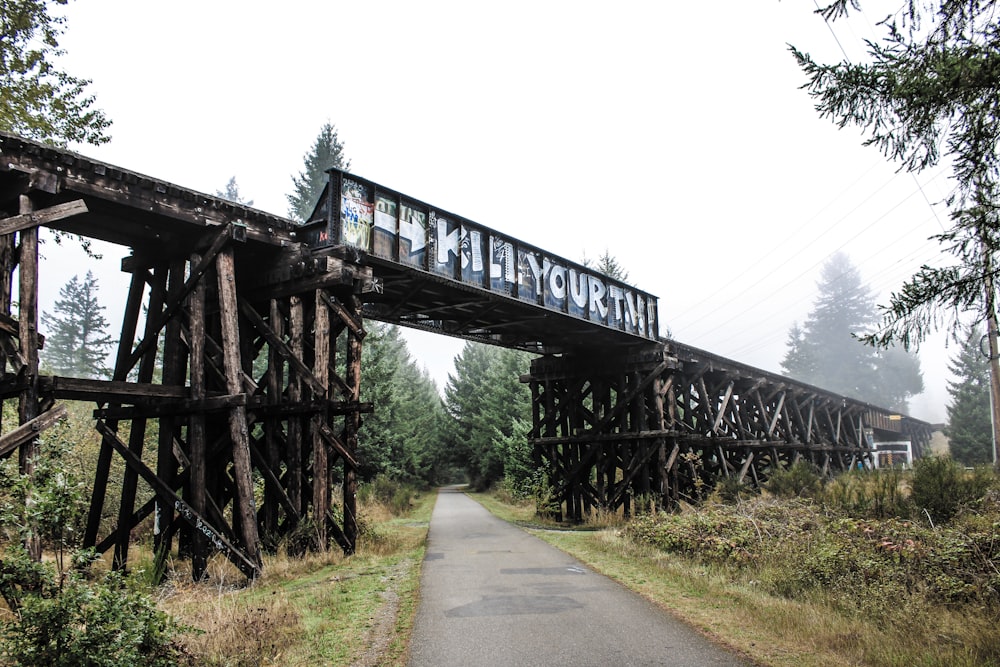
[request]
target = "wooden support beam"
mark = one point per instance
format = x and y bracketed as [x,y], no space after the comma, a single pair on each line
[28,408]
[133,307]
[29,430]
[273,436]
[244,562]
[321,460]
[174,301]
[197,445]
[101,391]
[245,513]
[137,432]
[44,216]
[296,472]
[723,406]
[284,351]
[335,442]
[352,365]
[352,321]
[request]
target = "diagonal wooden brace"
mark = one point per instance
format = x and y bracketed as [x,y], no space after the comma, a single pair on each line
[175,301]
[282,348]
[235,555]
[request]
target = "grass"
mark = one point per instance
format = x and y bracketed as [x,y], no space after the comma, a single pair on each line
[738,608]
[322,609]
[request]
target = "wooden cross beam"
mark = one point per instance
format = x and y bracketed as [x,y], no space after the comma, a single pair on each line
[30,430]
[45,216]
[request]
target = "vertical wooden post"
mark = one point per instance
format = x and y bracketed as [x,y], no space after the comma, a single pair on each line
[296,332]
[321,369]
[272,424]
[166,462]
[133,307]
[196,425]
[6,284]
[137,434]
[28,334]
[244,513]
[659,423]
[353,379]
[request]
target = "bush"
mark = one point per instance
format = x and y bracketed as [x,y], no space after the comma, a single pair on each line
[395,496]
[800,480]
[730,490]
[62,619]
[942,486]
[875,494]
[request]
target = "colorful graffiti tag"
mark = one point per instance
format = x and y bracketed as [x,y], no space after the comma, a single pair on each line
[394,227]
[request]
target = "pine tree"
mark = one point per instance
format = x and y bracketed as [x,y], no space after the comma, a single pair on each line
[485,398]
[77,344]
[232,193]
[929,91]
[608,265]
[969,431]
[37,99]
[326,152]
[404,436]
[825,351]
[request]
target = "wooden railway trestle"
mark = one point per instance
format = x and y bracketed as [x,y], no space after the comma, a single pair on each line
[257,326]
[652,426]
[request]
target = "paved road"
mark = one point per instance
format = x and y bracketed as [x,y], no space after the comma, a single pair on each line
[491,594]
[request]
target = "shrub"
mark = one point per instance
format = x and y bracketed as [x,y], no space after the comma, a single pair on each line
[730,490]
[62,619]
[941,486]
[876,494]
[394,495]
[801,479]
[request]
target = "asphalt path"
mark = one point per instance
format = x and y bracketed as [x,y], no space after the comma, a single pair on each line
[491,594]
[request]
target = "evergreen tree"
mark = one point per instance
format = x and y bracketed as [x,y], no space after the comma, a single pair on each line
[485,398]
[930,91]
[608,265]
[326,152]
[77,343]
[825,351]
[969,431]
[404,436]
[232,193]
[37,99]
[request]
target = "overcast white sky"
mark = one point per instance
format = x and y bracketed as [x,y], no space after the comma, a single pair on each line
[673,135]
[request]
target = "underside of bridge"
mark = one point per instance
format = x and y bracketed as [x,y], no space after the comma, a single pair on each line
[257,324]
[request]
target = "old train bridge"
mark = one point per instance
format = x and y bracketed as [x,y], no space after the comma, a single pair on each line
[257,326]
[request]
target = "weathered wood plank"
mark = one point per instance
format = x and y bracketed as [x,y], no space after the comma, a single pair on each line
[246,511]
[31,429]
[321,462]
[41,217]
[197,445]
[28,408]
[244,562]
[101,391]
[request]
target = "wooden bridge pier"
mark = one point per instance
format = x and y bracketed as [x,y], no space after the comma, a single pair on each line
[649,427]
[247,455]
[235,396]
[601,427]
